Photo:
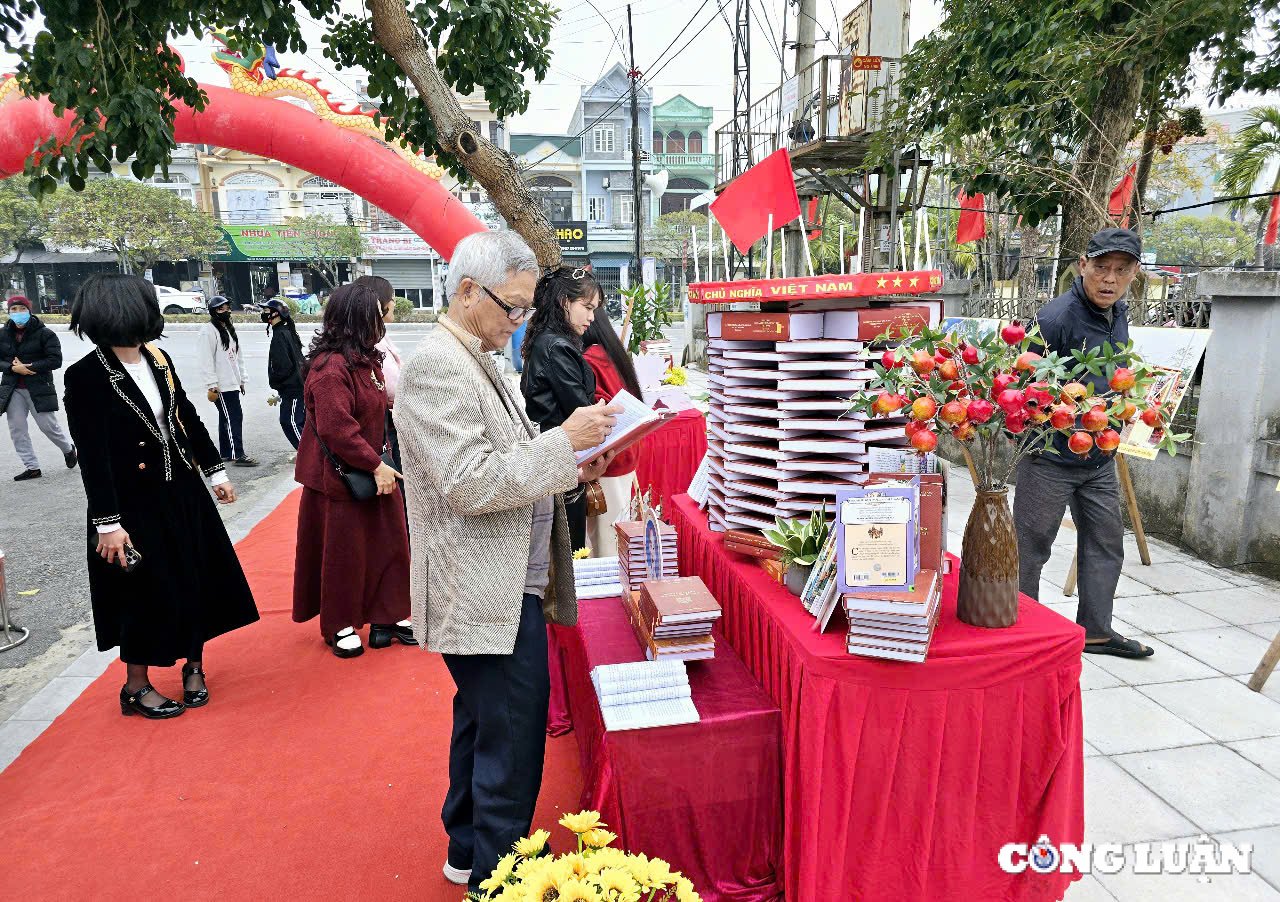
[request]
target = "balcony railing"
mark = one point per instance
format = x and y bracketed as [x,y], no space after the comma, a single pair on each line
[690,160]
[841,104]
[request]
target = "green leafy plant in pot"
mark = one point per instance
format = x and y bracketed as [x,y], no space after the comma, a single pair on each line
[800,541]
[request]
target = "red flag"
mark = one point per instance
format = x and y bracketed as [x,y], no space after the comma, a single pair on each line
[1122,193]
[973,218]
[743,208]
[1273,221]
[811,218]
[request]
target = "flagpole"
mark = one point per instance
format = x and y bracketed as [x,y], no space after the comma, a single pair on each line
[768,250]
[724,246]
[842,248]
[861,214]
[697,267]
[928,249]
[782,236]
[902,242]
[711,266]
[915,257]
[804,241]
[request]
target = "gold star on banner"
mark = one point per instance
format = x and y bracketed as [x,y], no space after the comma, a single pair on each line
[915,280]
[881,282]
[897,282]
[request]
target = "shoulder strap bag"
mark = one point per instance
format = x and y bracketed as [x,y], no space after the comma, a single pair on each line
[360,483]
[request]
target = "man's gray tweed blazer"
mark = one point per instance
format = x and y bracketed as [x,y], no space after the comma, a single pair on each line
[474,465]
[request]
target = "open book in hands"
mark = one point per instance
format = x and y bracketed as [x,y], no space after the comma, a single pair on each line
[634,422]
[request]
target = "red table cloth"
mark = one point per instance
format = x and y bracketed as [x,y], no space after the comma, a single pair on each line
[670,456]
[704,797]
[902,781]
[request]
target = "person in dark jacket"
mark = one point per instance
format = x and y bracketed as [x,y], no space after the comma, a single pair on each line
[163,576]
[1091,314]
[284,369]
[556,379]
[29,353]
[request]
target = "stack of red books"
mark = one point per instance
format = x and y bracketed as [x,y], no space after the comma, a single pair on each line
[673,618]
[631,563]
[894,625]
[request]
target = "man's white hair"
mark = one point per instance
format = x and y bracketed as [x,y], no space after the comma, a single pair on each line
[489,258]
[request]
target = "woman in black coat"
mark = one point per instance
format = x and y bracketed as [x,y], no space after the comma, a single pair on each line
[556,379]
[163,576]
[29,354]
[284,369]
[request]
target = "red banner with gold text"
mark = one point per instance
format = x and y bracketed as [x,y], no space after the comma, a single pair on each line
[860,285]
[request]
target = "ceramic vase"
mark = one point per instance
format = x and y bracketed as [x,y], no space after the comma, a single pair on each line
[988,595]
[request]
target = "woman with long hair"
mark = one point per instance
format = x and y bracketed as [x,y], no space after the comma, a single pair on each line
[556,380]
[284,368]
[163,577]
[391,358]
[222,369]
[352,564]
[614,371]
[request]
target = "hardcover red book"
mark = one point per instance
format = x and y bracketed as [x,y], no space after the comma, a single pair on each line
[930,514]
[770,326]
[875,321]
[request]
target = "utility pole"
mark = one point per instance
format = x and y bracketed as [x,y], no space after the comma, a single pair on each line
[634,75]
[806,22]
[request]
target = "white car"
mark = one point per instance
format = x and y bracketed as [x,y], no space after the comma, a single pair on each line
[174,302]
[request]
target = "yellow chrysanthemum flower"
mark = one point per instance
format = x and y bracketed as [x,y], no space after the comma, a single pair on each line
[501,873]
[532,846]
[578,891]
[539,886]
[618,885]
[608,857]
[582,554]
[685,891]
[660,873]
[581,822]
[598,838]
[638,866]
[573,866]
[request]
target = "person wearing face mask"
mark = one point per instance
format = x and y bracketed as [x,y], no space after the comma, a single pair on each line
[222,369]
[557,379]
[284,369]
[29,353]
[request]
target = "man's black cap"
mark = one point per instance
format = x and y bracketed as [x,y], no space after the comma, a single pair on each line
[1120,241]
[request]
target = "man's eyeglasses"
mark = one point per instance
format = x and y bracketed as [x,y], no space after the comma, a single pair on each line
[515,312]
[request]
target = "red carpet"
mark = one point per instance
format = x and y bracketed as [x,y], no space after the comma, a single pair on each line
[306,777]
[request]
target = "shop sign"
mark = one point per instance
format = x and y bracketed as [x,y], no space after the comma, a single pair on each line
[572,235]
[261,242]
[396,244]
[867,63]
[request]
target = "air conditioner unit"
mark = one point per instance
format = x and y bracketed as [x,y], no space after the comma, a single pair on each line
[295,197]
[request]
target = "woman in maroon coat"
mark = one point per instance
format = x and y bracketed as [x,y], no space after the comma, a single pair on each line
[353,556]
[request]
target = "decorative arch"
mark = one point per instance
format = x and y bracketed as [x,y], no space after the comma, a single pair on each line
[695,142]
[281,131]
[675,141]
[659,145]
[251,178]
[687,184]
[549,181]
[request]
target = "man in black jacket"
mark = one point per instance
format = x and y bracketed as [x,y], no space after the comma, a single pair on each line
[29,353]
[1092,313]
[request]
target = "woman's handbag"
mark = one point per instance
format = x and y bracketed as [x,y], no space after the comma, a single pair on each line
[360,483]
[597,503]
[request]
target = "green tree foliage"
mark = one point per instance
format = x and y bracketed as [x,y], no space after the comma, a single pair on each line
[325,243]
[1052,91]
[140,224]
[22,219]
[668,237]
[1200,241]
[110,64]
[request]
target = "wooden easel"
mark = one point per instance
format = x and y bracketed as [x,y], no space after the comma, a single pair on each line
[1135,517]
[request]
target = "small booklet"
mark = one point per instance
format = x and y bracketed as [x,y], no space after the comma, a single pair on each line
[634,422]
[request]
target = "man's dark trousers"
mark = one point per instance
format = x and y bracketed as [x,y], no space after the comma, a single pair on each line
[1044,491]
[499,741]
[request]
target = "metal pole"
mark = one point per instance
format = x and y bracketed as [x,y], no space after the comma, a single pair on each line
[635,146]
[8,628]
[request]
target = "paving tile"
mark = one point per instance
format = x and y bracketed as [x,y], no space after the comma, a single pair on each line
[1155,614]
[1211,785]
[1270,689]
[92,663]
[1228,649]
[1266,850]
[15,736]
[1117,808]
[1128,587]
[1088,889]
[1179,577]
[1161,551]
[1167,665]
[1090,751]
[53,699]
[1121,720]
[1268,630]
[1225,709]
[1130,887]
[1236,604]
[1263,752]
[1094,677]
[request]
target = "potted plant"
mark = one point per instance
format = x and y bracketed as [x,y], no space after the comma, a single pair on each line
[800,541]
[992,391]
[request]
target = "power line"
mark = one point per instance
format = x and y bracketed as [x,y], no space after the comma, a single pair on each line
[773,38]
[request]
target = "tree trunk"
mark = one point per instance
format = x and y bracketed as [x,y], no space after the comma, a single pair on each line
[1027,263]
[1138,202]
[492,167]
[1097,165]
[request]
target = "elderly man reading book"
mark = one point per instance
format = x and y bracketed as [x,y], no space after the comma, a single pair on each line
[492,562]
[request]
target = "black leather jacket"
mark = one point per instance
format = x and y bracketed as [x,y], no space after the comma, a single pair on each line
[556,380]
